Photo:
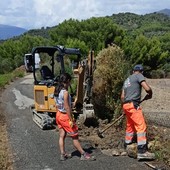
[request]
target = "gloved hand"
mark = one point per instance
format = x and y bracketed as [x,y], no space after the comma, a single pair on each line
[148,96]
[71,123]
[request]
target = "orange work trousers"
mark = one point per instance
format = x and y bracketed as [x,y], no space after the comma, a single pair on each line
[62,120]
[135,124]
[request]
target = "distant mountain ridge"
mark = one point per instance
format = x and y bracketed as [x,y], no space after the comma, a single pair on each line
[165,11]
[7,31]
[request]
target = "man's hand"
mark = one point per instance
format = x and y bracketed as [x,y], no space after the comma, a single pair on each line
[148,96]
[148,90]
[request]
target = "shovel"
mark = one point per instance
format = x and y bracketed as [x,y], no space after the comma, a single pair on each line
[100,133]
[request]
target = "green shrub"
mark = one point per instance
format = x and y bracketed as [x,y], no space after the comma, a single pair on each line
[168,75]
[108,80]
[156,74]
[7,78]
[18,73]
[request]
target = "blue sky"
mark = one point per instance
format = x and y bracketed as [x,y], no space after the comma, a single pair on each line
[32,14]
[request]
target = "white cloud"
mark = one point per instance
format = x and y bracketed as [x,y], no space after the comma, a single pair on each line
[41,13]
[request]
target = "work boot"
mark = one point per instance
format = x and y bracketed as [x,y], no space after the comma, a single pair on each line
[86,156]
[146,155]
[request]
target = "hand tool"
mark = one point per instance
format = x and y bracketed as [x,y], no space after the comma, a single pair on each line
[100,133]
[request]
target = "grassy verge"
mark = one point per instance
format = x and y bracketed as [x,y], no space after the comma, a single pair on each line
[7,78]
[5,160]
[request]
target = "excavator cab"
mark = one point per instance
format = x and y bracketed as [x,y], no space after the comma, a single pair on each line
[55,60]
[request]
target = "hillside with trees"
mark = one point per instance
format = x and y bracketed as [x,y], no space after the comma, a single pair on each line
[143,38]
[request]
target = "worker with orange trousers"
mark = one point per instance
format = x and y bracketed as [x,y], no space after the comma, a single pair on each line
[65,120]
[135,122]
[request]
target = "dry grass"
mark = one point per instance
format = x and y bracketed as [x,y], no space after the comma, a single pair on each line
[5,155]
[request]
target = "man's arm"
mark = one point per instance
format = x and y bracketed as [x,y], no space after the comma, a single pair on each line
[148,90]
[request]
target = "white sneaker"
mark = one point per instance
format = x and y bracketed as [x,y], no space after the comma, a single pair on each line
[147,155]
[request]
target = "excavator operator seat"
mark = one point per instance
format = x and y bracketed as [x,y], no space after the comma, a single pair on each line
[46,73]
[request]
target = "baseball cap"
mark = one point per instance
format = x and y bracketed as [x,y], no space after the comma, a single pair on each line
[138,67]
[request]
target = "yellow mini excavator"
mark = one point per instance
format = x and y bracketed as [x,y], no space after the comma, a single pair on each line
[55,60]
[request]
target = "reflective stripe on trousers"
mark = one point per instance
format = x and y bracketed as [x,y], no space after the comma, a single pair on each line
[135,124]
